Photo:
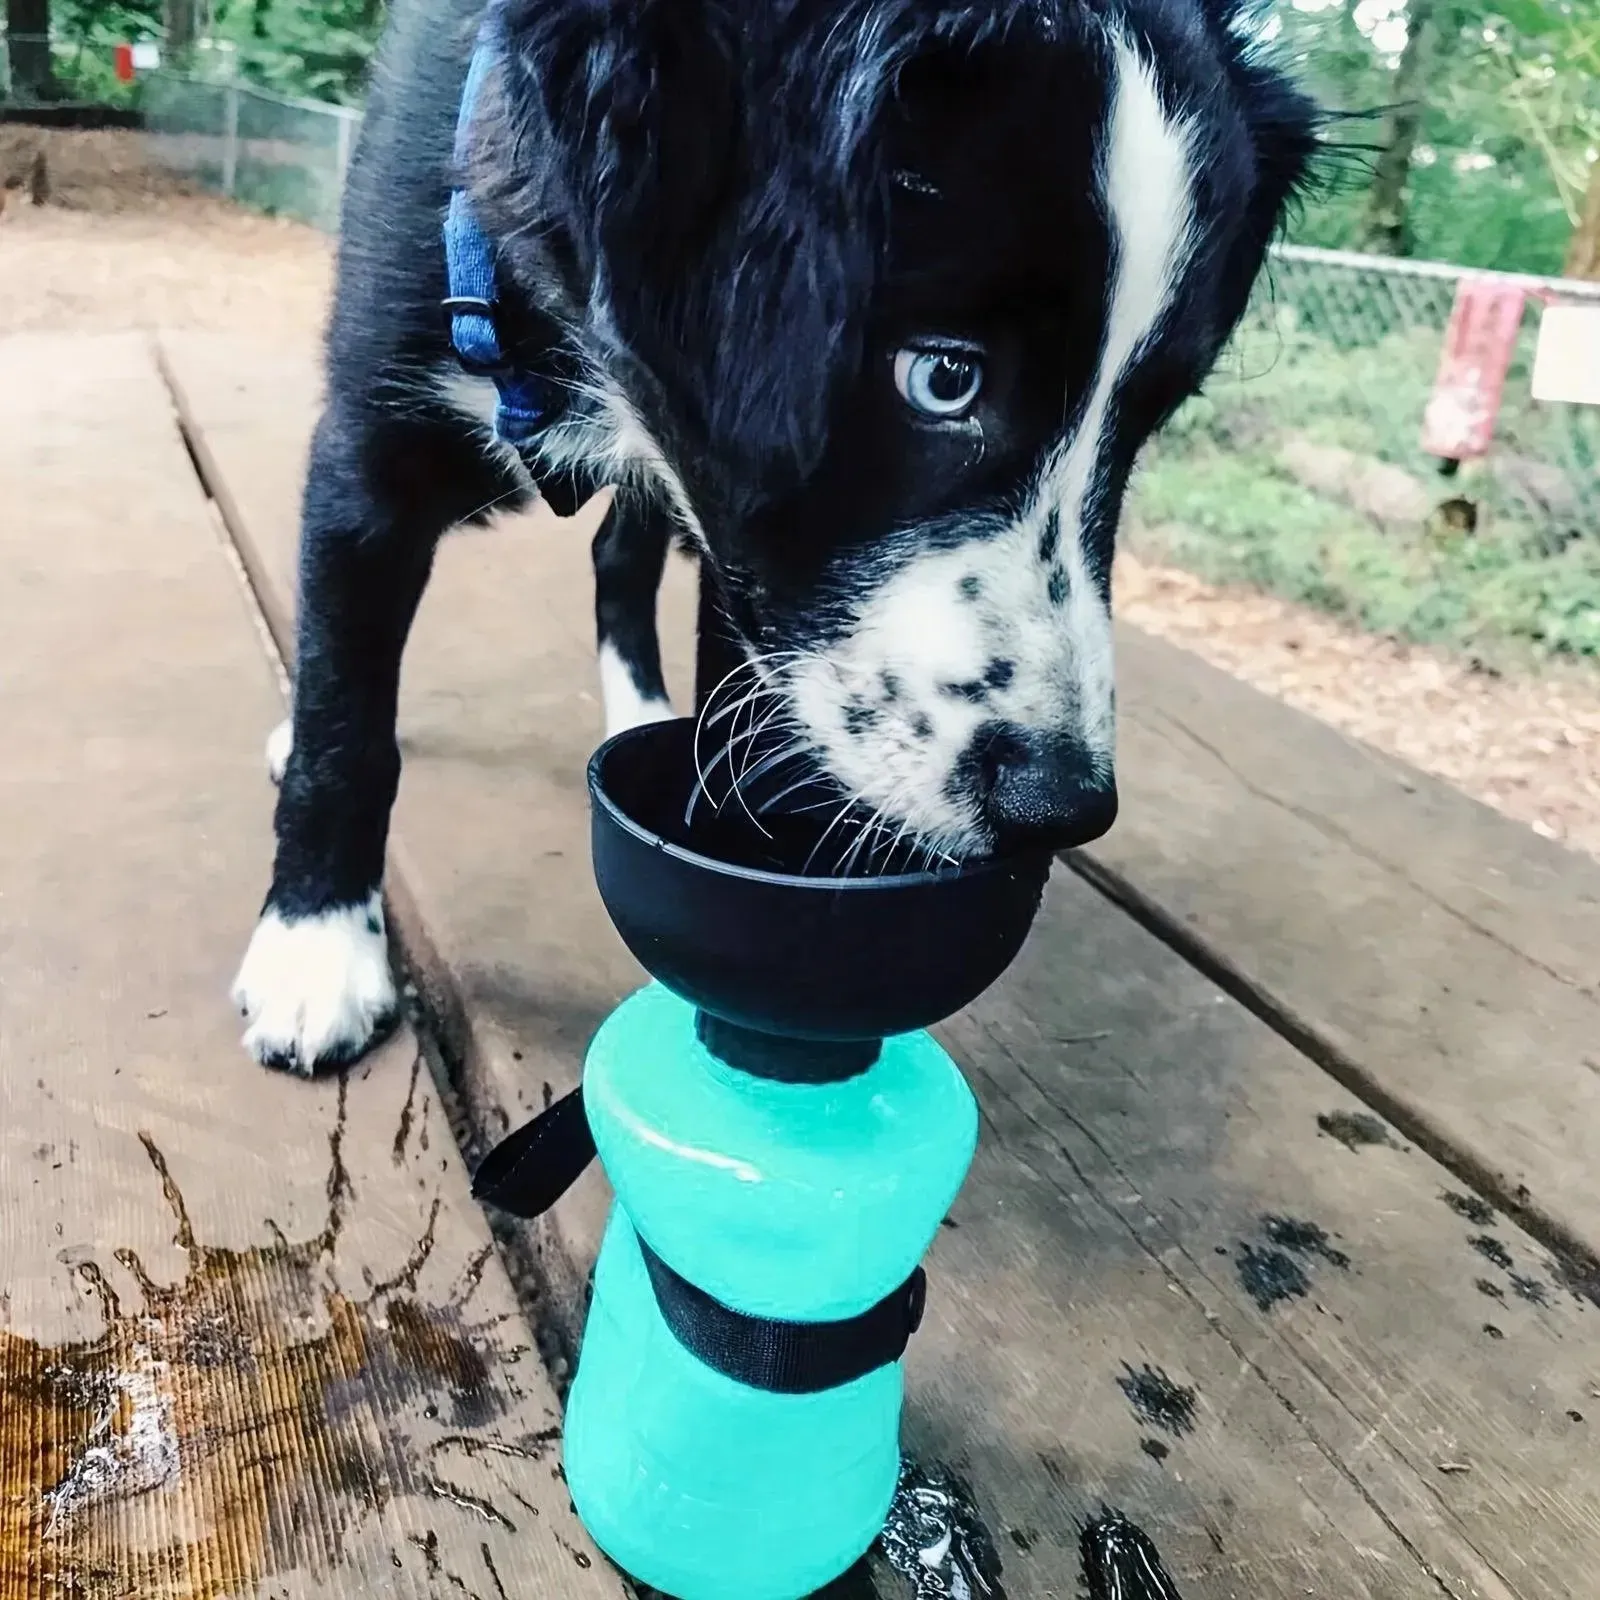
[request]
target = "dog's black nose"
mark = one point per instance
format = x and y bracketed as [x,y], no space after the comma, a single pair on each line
[1041,791]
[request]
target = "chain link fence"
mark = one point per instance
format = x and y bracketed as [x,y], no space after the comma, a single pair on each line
[1300,469]
[265,150]
[1335,363]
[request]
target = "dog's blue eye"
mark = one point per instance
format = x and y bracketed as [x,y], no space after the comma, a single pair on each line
[942,384]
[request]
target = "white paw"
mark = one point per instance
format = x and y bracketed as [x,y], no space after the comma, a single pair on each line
[279,743]
[625,706]
[317,991]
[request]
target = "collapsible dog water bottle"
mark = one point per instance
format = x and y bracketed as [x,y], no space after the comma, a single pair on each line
[783,1140]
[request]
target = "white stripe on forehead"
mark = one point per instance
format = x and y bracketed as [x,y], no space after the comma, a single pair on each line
[1146,187]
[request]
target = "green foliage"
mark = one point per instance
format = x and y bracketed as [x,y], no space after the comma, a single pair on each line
[316,49]
[1242,520]
[1511,122]
[1344,361]
[319,49]
[86,33]
[1217,496]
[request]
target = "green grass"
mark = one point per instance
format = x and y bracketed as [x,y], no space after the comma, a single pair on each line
[1214,498]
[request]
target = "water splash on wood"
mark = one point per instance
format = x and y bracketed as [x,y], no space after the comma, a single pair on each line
[935,1537]
[238,1424]
[1120,1562]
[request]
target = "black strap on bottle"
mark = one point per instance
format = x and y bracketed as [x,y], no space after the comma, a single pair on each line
[786,1357]
[530,1169]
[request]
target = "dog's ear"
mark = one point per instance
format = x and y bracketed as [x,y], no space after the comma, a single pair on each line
[640,110]
[1285,128]
[724,183]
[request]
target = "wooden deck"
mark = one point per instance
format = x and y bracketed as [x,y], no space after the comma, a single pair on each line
[1281,1239]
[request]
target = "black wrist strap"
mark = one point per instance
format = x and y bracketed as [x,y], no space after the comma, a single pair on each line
[786,1357]
[529,1170]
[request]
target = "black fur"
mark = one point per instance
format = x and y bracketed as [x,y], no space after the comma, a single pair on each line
[725,217]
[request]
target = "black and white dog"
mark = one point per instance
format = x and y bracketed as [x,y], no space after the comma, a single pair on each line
[869,302]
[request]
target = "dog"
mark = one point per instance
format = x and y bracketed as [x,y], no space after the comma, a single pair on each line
[870,304]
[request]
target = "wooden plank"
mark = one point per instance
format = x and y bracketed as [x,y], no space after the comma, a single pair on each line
[1440,1356]
[254,1336]
[1439,958]
[515,954]
[1136,1122]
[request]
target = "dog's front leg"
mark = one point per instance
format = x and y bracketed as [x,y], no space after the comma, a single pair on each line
[630,554]
[315,986]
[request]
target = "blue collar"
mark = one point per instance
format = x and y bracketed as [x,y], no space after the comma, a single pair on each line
[471,300]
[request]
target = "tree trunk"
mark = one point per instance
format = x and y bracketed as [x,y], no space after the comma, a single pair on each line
[1583,254]
[28,44]
[1384,229]
[180,26]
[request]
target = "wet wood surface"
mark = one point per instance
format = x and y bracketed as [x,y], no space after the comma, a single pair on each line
[1191,1275]
[254,1337]
[1440,1357]
[1425,948]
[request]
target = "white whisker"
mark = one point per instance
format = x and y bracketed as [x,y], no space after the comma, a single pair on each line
[844,810]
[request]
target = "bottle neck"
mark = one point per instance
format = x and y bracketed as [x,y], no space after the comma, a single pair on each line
[780,1059]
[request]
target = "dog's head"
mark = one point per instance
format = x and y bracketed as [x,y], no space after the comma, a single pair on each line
[890,293]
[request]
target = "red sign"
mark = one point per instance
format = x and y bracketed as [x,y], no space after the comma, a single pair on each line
[123,58]
[1478,346]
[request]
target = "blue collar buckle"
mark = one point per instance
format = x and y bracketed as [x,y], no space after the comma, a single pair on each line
[471,302]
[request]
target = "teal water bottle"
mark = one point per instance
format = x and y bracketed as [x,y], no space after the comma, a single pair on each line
[783,1139]
[795,1203]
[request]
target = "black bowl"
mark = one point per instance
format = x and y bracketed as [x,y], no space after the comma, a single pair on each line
[725,917]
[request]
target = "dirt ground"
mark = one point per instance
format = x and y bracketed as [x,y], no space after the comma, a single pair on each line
[120,245]
[1529,746]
